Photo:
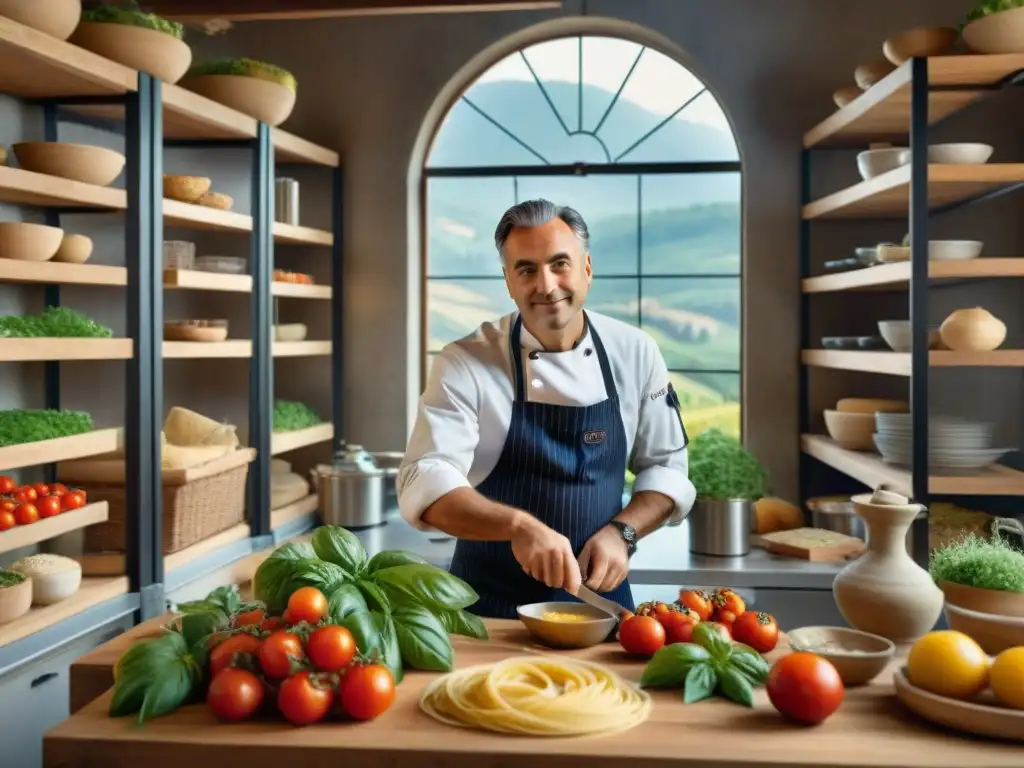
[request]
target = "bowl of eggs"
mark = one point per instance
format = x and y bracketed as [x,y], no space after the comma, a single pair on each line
[567,624]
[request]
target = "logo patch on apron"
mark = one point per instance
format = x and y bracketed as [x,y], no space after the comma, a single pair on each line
[593,437]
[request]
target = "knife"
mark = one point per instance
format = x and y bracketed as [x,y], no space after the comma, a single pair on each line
[590,597]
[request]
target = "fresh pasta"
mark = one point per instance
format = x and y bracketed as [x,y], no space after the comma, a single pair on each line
[537,696]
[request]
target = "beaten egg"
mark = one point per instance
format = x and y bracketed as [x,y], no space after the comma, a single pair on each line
[564,616]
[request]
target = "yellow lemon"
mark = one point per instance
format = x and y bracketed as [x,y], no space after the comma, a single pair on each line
[1007,677]
[948,663]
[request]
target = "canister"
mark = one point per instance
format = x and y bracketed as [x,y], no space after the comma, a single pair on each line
[286,201]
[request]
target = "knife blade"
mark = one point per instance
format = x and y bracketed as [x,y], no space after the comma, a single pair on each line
[590,597]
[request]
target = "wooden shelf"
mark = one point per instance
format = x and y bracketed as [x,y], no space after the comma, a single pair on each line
[206,281]
[208,349]
[883,111]
[299,291]
[21,187]
[292,235]
[284,515]
[93,592]
[93,443]
[51,272]
[301,348]
[282,442]
[870,469]
[897,275]
[50,527]
[289,148]
[898,363]
[64,348]
[189,216]
[888,195]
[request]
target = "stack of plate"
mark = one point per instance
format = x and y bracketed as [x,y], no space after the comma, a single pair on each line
[954,444]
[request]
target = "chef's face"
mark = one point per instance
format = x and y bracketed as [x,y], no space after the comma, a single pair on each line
[548,274]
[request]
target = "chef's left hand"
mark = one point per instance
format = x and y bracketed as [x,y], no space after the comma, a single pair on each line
[604,561]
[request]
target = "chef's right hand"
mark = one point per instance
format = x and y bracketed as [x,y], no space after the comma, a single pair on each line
[546,555]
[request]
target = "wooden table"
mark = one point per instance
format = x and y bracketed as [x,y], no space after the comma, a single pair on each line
[871,729]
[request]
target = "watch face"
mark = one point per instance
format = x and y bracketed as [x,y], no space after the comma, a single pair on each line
[627,531]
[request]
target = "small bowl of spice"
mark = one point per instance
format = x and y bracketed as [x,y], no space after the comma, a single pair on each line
[859,657]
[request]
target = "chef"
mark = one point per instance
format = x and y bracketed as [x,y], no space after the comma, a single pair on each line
[527,426]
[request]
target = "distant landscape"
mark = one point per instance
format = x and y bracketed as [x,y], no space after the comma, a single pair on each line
[664,225]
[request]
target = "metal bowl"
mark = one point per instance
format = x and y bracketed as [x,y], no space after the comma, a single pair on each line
[835,513]
[594,630]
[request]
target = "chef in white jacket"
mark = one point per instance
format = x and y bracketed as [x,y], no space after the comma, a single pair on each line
[527,426]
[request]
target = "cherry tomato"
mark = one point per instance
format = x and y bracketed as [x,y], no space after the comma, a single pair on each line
[25,493]
[41,489]
[26,514]
[367,691]
[280,652]
[7,520]
[223,655]
[307,604]
[72,500]
[287,619]
[331,648]
[305,698]
[253,618]
[726,618]
[48,506]
[272,623]
[7,484]
[58,489]
[756,629]
[641,635]
[804,687]
[235,694]
[727,600]
[679,627]
[9,505]
[697,601]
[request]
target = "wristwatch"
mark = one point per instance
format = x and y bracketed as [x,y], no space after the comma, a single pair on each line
[628,534]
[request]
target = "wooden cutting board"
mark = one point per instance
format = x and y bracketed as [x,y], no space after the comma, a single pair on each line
[815,544]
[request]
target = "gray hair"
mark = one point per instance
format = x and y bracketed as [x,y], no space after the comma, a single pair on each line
[534,213]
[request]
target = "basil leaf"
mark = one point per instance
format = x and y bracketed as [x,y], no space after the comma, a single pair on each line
[700,682]
[376,600]
[709,639]
[226,598]
[199,625]
[345,600]
[463,623]
[154,676]
[375,636]
[750,665]
[272,581]
[392,648]
[437,589]
[423,640]
[670,664]
[393,557]
[169,690]
[736,687]
[341,547]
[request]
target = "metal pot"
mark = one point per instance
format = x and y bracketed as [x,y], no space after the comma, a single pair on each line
[835,513]
[721,528]
[389,461]
[351,490]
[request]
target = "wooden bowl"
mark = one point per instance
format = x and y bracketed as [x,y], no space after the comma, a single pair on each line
[217,200]
[79,162]
[186,189]
[15,601]
[920,41]
[29,242]
[994,601]
[852,431]
[845,95]
[164,57]
[57,18]
[196,330]
[1001,32]
[594,629]
[74,249]
[993,632]
[265,100]
[869,73]
[859,657]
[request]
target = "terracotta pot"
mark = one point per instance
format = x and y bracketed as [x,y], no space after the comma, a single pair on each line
[984,600]
[57,18]
[884,591]
[1001,32]
[164,57]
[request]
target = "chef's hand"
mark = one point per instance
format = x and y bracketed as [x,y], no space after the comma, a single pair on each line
[546,555]
[604,561]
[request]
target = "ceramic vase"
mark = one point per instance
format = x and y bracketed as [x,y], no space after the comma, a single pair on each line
[884,591]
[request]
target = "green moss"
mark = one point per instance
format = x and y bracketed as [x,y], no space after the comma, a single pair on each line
[111,14]
[247,68]
[975,562]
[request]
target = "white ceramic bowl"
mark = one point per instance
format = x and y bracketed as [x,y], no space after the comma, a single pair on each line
[897,335]
[874,162]
[595,629]
[963,153]
[953,250]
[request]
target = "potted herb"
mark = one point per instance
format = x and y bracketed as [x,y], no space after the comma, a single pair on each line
[142,41]
[15,595]
[256,88]
[995,26]
[984,575]
[728,480]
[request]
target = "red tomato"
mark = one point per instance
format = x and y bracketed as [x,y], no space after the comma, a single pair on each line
[725,600]
[756,629]
[272,623]
[58,489]
[25,493]
[9,505]
[305,698]
[224,654]
[641,635]
[26,514]
[726,618]
[367,691]
[697,601]
[253,618]
[287,620]
[41,489]
[679,627]
[7,520]
[280,652]
[235,694]
[331,648]
[48,506]
[804,687]
[72,500]
[7,484]
[306,604]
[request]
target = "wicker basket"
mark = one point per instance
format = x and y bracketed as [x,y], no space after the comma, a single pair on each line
[198,502]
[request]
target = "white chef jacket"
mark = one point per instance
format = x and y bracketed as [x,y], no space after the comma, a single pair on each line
[466,409]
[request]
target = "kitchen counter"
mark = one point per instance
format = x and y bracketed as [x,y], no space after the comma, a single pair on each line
[870,729]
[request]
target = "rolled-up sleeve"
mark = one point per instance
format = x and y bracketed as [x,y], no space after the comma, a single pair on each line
[444,438]
[659,459]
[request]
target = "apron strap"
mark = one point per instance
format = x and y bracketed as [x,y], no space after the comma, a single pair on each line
[517,358]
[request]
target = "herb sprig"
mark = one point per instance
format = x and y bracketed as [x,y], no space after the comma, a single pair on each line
[721,468]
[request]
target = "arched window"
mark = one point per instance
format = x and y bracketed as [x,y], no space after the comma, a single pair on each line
[636,143]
